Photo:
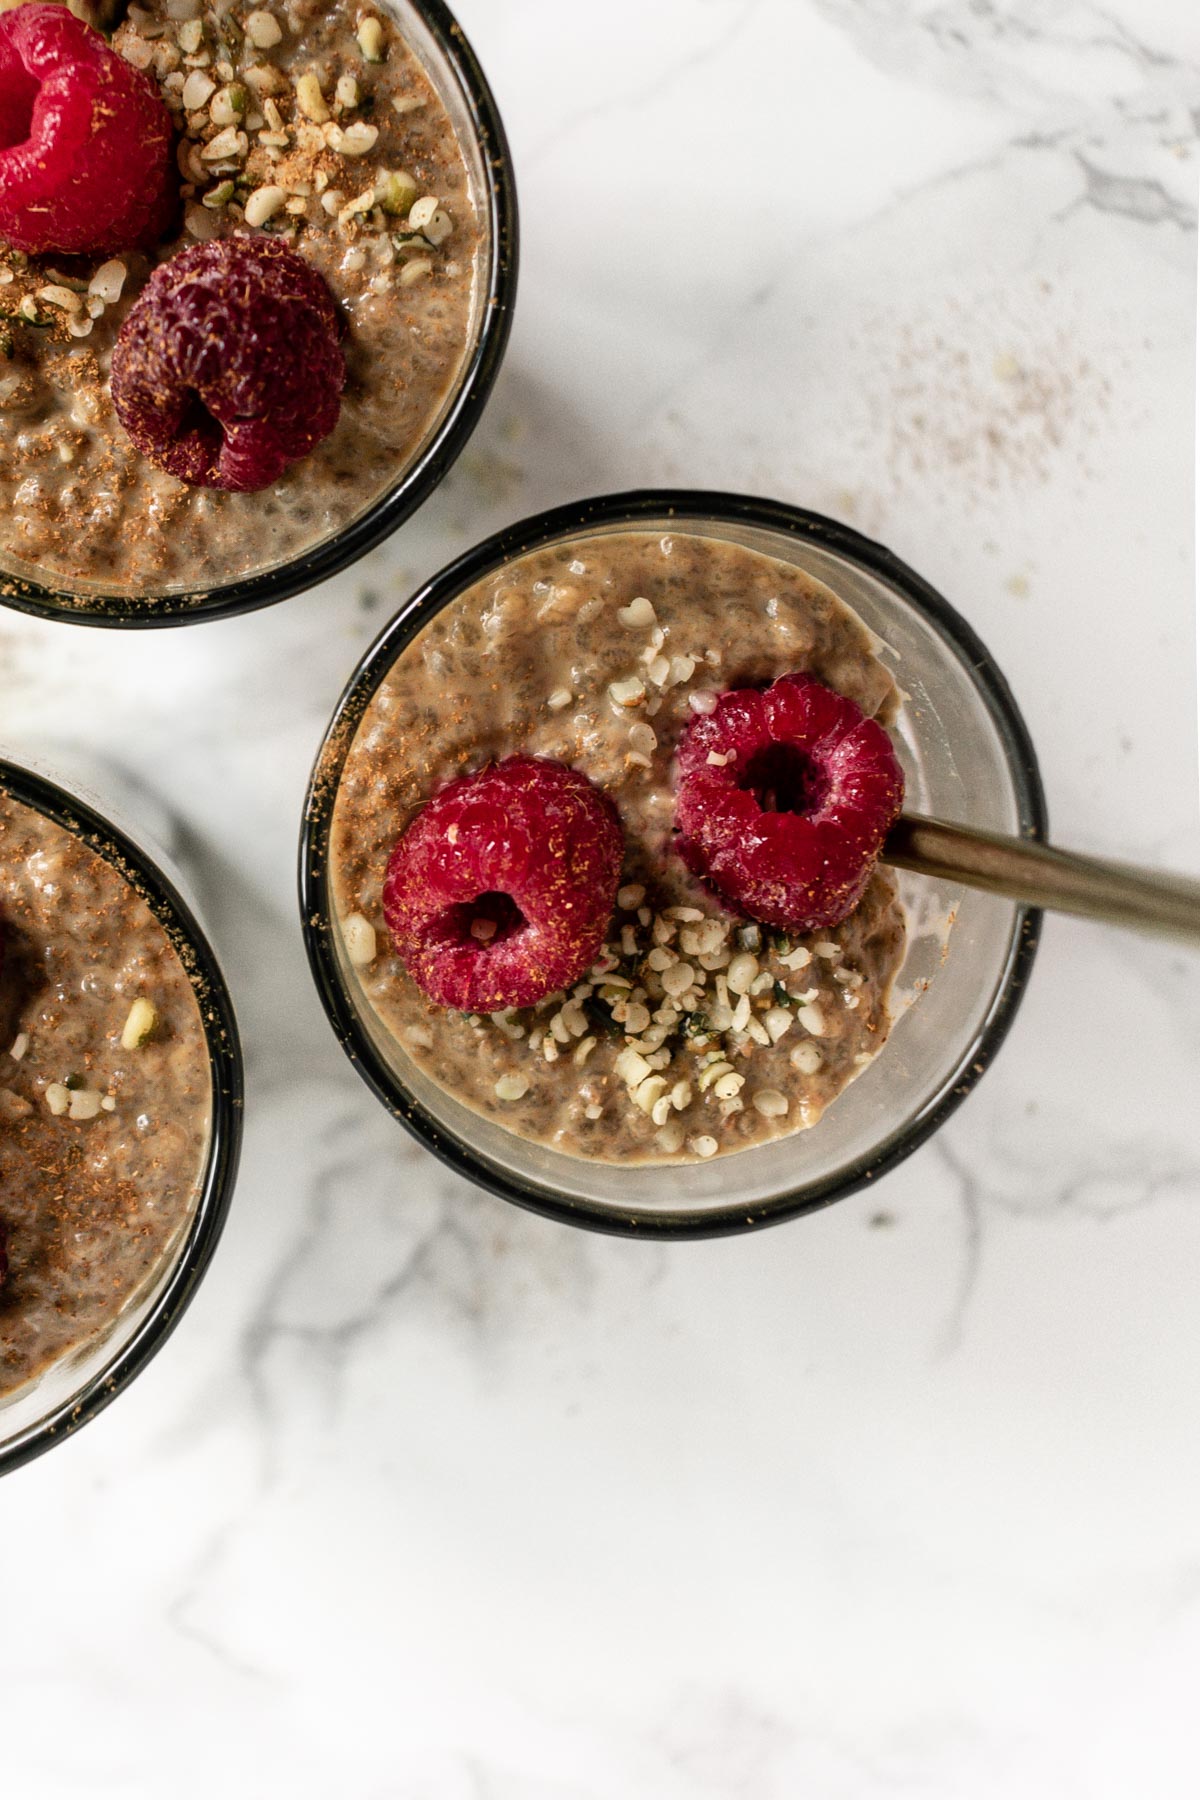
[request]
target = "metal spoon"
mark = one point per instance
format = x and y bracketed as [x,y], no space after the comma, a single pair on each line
[1114,892]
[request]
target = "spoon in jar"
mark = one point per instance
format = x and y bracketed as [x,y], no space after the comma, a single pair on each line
[1037,875]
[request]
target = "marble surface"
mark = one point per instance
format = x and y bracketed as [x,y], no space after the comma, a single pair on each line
[430,1500]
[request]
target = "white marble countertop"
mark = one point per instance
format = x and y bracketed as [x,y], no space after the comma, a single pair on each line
[431,1500]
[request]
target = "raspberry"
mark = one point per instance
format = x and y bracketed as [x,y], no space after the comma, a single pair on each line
[86,144]
[527,846]
[229,367]
[788,823]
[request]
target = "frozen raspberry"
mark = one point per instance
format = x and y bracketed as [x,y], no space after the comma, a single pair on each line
[501,889]
[86,145]
[784,800]
[229,367]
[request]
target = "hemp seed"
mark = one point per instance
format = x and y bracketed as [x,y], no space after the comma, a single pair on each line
[263,29]
[263,204]
[358,933]
[108,281]
[370,40]
[637,615]
[627,693]
[61,297]
[357,140]
[395,191]
[197,90]
[812,1018]
[139,1024]
[741,973]
[311,100]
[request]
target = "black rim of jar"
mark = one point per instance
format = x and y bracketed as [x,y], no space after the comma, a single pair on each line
[307,570]
[634,509]
[193,1256]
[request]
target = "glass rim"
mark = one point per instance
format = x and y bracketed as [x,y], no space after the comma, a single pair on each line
[365,533]
[633,509]
[223,1044]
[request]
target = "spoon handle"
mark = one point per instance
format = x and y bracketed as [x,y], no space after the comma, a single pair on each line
[1037,875]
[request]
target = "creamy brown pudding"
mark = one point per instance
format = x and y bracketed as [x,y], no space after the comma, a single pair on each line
[696,1032]
[311,120]
[105,1093]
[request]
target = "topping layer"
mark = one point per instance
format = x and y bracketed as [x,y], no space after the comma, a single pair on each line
[692,1032]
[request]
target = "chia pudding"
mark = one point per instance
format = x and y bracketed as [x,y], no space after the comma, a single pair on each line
[311,120]
[105,1094]
[696,1032]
